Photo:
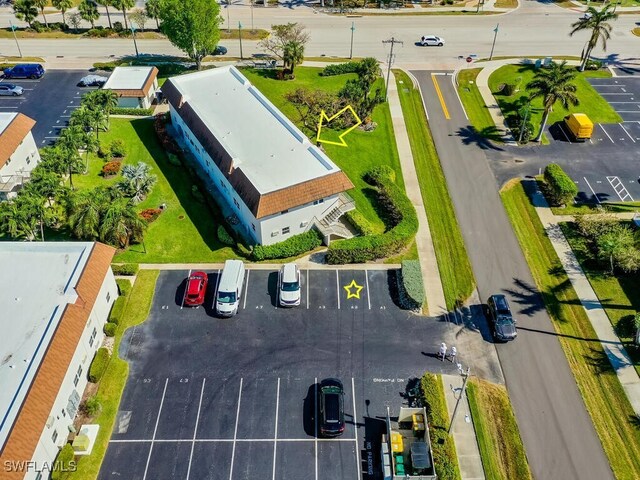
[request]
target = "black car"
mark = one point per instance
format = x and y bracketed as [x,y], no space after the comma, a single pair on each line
[503,325]
[220,50]
[331,407]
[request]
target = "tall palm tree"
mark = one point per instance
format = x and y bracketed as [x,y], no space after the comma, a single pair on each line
[16,221]
[121,223]
[41,4]
[123,5]
[153,10]
[70,142]
[84,212]
[89,12]
[107,4]
[44,183]
[25,10]
[63,6]
[596,21]
[103,100]
[553,84]
[292,55]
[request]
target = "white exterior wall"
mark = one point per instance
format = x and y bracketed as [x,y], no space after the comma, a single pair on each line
[24,159]
[46,450]
[295,218]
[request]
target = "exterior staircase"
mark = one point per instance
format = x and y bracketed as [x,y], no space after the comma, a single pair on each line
[329,223]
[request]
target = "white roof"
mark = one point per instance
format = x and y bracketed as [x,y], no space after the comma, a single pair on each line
[269,149]
[37,281]
[128,78]
[5,119]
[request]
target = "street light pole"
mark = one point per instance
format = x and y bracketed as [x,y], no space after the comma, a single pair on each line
[240,37]
[353,28]
[392,41]
[252,27]
[135,44]
[228,21]
[462,390]
[13,29]
[494,40]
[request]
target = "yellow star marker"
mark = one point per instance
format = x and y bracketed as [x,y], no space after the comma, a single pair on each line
[356,287]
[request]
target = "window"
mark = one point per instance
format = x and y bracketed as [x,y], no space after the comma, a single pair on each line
[285,230]
[54,437]
[77,377]
[223,185]
[284,211]
[108,296]
[316,202]
[235,202]
[253,226]
[93,336]
[63,413]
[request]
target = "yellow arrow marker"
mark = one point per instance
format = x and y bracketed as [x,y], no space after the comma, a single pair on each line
[444,105]
[323,118]
[353,294]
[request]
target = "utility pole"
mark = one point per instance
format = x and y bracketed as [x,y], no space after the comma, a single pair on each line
[13,29]
[494,40]
[240,37]
[252,28]
[392,41]
[228,4]
[353,29]
[462,390]
[133,33]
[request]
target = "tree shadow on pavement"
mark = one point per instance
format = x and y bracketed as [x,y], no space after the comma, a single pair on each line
[483,139]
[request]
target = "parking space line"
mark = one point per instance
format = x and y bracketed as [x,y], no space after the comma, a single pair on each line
[355,424]
[184,295]
[307,289]
[605,132]
[246,290]
[592,191]
[628,134]
[315,416]
[338,288]
[235,432]
[195,430]
[215,294]
[155,430]
[366,278]
[275,433]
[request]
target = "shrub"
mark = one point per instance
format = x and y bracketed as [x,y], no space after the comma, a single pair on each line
[118,148]
[141,112]
[91,406]
[110,169]
[107,66]
[99,32]
[117,26]
[411,286]
[99,365]
[124,268]
[38,27]
[174,159]
[401,220]
[197,194]
[359,222]
[150,214]
[104,151]
[593,64]
[63,463]
[508,89]
[291,247]
[562,188]
[224,236]
[110,329]
[117,309]
[124,286]
[340,69]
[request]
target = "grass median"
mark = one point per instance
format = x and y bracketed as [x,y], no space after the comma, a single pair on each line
[501,448]
[474,105]
[455,270]
[615,421]
[111,386]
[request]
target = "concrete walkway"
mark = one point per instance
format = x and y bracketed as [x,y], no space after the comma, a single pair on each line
[610,342]
[426,252]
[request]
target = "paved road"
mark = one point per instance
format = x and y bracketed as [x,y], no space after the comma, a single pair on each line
[557,431]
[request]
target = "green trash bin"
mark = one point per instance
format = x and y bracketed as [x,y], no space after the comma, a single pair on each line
[399,469]
[399,460]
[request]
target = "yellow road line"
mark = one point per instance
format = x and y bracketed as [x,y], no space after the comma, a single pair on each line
[444,105]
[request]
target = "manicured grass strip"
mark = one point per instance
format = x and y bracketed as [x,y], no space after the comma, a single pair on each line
[592,208]
[611,413]
[501,449]
[112,384]
[506,3]
[455,270]
[636,31]
[474,105]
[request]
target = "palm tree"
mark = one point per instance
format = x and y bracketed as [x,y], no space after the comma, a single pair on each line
[121,223]
[41,4]
[35,208]
[16,221]
[103,100]
[25,10]
[63,6]
[137,181]
[553,84]
[292,55]
[89,12]
[44,183]
[84,212]
[107,4]
[596,21]
[153,10]
[123,5]
[71,140]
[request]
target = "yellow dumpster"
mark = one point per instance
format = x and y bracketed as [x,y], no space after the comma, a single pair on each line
[397,444]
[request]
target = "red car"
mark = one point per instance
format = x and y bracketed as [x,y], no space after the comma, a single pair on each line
[196,289]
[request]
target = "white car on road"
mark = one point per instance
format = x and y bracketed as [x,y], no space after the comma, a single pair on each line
[431,41]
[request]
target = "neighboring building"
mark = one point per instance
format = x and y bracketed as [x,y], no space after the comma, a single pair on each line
[136,86]
[265,170]
[55,297]
[18,152]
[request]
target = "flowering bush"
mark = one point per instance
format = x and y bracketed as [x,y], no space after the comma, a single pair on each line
[150,214]
[111,168]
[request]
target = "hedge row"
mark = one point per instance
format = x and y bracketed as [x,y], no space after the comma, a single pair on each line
[400,217]
[110,329]
[124,268]
[411,286]
[141,112]
[117,309]
[561,187]
[442,446]
[63,463]
[291,247]
[99,365]
[360,223]
[224,237]
[340,68]
[124,286]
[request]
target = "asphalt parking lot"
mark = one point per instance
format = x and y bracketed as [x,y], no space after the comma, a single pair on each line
[211,398]
[48,100]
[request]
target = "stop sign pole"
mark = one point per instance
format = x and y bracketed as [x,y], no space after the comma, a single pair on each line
[494,40]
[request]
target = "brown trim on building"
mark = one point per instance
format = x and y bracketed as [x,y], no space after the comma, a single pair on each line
[34,412]
[138,92]
[12,136]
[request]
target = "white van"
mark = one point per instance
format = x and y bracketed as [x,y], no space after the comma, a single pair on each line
[229,289]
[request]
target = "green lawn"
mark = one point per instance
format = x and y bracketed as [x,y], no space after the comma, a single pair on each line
[112,384]
[474,105]
[591,103]
[611,413]
[619,294]
[506,3]
[186,230]
[591,208]
[455,270]
[501,448]
[365,150]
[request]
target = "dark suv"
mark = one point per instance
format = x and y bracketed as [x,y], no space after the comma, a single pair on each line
[503,325]
[331,407]
[24,70]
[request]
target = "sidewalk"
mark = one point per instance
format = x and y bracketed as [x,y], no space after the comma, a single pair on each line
[463,430]
[610,342]
[436,304]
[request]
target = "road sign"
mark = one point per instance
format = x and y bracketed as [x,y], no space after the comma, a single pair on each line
[469,59]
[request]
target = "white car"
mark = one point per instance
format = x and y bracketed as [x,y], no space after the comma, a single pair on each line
[289,285]
[93,81]
[431,40]
[11,90]
[586,16]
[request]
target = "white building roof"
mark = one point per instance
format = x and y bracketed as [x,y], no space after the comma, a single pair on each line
[271,151]
[128,78]
[5,119]
[37,281]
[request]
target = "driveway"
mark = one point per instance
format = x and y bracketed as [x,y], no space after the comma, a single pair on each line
[557,432]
